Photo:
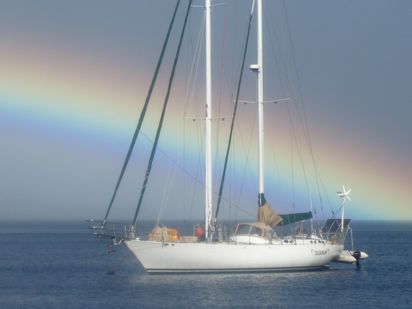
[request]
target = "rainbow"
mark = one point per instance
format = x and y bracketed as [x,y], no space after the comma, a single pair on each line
[82,97]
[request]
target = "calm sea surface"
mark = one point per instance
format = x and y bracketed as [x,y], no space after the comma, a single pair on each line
[61,265]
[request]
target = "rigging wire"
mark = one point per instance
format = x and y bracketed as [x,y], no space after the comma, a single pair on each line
[196,178]
[160,125]
[198,165]
[189,97]
[248,168]
[303,119]
[234,113]
[166,192]
[142,114]
[292,130]
[221,74]
[316,170]
[277,54]
[189,94]
[295,140]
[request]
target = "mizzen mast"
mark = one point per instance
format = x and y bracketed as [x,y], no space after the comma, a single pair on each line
[259,71]
[208,132]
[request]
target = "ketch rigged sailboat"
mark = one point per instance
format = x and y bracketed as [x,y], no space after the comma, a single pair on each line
[253,247]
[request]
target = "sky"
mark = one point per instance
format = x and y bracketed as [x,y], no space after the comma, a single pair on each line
[74,76]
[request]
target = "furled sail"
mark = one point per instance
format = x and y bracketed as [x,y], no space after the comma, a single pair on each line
[296,217]
[268,216]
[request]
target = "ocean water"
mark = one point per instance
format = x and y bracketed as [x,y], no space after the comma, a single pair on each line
[61,265]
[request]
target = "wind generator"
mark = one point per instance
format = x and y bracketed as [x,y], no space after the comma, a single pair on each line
[348,256]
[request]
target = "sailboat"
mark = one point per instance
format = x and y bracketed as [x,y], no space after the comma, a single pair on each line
[253,246]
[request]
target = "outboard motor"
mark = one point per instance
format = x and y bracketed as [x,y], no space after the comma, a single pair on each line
[357,255]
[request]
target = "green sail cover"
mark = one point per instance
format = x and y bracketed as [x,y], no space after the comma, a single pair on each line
[292,218]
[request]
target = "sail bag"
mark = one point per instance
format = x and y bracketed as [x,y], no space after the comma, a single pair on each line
[163,233]
[268,216]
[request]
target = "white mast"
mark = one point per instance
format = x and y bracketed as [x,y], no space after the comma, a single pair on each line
[260,104]
[208,133]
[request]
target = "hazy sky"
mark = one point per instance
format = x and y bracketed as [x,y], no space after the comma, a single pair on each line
[74,75]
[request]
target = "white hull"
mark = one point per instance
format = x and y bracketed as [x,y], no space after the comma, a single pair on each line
[179,257]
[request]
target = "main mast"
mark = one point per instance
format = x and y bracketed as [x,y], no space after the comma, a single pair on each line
[208,133]
[259,72]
